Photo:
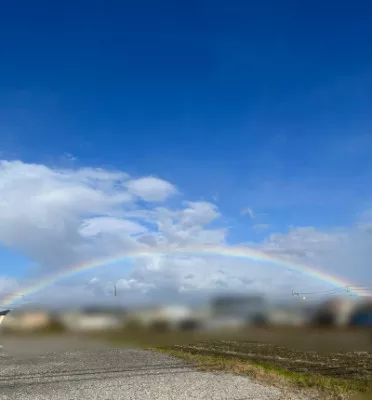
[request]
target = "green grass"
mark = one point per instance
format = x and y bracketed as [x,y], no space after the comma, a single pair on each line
[321,387]
[265,362]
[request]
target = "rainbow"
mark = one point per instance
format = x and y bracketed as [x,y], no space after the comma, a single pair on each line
[234,252]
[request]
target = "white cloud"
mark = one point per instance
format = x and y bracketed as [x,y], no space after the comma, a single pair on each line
[200,213]
[46,213]
[344,253]
[62,217]
[151,189]
[134,285]
[190,276]
[99,225]
[302,242]
[183,226]
[248,211]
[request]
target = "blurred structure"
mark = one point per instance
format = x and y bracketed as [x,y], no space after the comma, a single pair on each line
[362,314]
[196,321]
[92,319]
[287,315]
[27,320]
[3,314]
[334,312]
[165,318]
[224,312]
[240,310]
[173,316]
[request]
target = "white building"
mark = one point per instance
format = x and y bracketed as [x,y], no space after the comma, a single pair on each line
[80,321]
[27,320]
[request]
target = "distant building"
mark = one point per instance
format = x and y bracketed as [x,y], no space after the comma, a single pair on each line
[286,316]
[334,312]
[170,317]
[28,320]
[167,317]
[143,316]
[362,314]
[90,320]
[251,309]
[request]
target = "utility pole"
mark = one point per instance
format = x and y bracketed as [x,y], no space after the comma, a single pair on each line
[115,290]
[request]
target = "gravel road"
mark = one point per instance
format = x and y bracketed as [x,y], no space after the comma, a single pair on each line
[52,371]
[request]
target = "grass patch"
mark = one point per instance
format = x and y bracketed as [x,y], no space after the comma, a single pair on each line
[314,385]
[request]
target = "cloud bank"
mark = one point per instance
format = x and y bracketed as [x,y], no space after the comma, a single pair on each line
[62,217]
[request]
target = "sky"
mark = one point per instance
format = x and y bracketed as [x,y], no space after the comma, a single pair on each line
[184,123]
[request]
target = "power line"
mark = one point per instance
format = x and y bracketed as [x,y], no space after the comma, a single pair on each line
[319,292]
[360,289]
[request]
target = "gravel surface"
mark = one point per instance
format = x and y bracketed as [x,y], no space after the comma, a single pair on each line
[50,371]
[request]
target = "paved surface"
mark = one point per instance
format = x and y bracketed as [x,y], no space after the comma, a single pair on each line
[51,371]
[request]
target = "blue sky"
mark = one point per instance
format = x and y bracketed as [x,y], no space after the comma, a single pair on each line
[265,105]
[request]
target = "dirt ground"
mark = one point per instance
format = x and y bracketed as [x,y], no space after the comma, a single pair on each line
[341,355]
[341,365]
